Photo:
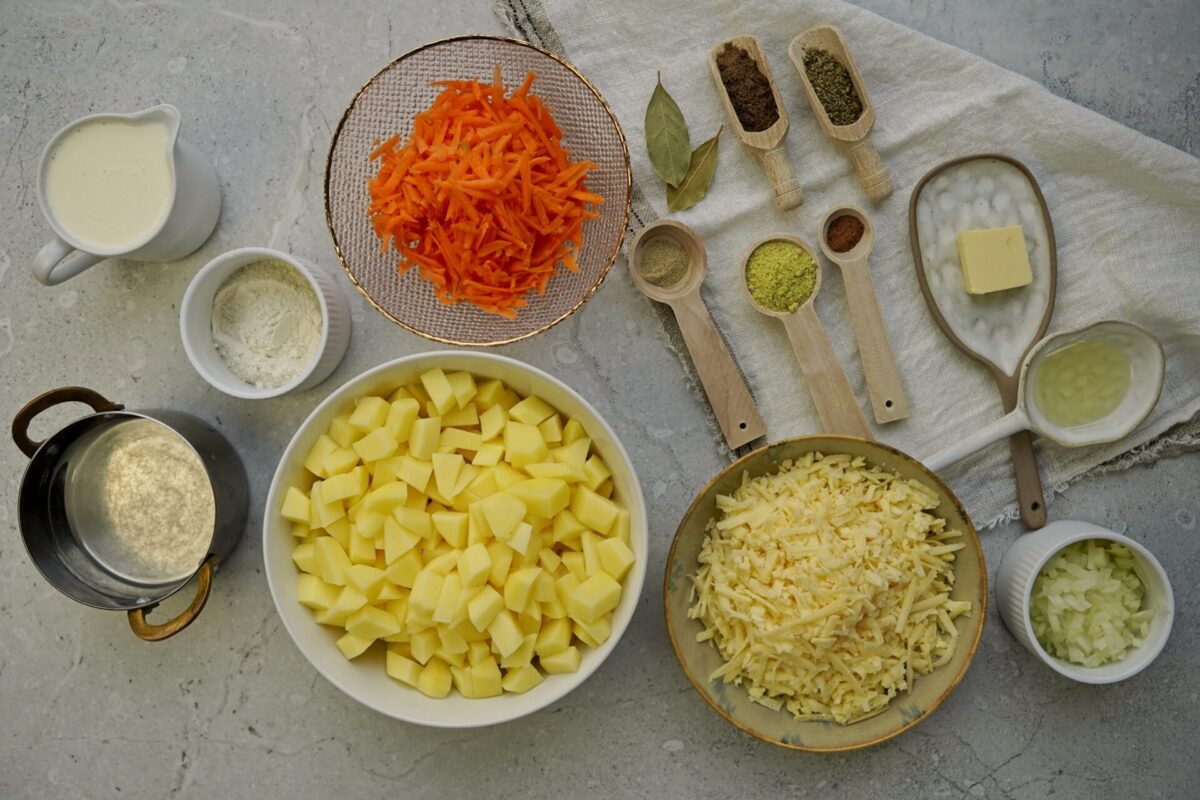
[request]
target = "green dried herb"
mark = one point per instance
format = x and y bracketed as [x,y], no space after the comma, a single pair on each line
[833,85]
[699,176]
[667,139]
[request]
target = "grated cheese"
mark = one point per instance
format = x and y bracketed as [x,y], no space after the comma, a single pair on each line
[826,587]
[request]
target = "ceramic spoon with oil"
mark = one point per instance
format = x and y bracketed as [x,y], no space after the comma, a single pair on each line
[831,393]
[731,401]
[879,366]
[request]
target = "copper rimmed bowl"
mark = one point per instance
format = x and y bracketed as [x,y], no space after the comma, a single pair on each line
[388,104]
[699,659]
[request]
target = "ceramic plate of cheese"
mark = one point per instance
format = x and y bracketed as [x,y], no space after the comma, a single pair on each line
[984,247]
[700,657]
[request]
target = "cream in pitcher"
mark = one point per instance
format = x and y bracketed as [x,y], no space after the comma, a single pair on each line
[123,185]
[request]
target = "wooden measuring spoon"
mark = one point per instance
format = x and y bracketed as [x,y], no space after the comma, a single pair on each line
[767,144]
[831,393]
[879,366]
[872,174]
[727,393]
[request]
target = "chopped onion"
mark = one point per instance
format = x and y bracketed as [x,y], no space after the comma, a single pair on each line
[1086,606]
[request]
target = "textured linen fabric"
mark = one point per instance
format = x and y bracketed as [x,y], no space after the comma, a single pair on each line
[1125,209]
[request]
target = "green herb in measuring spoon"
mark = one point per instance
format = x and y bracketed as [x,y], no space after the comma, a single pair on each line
[694,186]
[781,275]
[664,262]
[667,140]
[833,86]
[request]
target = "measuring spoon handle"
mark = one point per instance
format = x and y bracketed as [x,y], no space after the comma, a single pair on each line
[879,365]
[731,401]
[831,393]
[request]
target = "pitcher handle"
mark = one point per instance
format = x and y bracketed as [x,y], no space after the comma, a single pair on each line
[58,262]
[149,632]
[65,394]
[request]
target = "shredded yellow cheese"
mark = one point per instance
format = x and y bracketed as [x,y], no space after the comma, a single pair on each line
[826,587]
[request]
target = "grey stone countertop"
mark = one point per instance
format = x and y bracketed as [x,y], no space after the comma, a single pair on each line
[231,709]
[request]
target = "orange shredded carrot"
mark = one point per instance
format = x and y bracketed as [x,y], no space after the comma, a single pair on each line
[482,199]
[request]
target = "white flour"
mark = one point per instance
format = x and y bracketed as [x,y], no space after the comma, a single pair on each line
[266,323]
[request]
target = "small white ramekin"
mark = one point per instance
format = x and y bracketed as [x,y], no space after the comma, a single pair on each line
[1025,559]
[195,323]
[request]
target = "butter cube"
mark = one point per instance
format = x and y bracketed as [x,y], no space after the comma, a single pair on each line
[594,598]
[372,623]
[405,569]
[506,634]
[315,593]
[492,422]
[401,415]
[434,680]
[531,410]
[615,557]
[554,638]
[423,440]
[474,564]
[377,444]
[523,444]
[295,505]
[484,607]
[403,668]
[598,513]
[559,663]
[521,679]
[353,645]
[994,259]
[544,497]
[314,462]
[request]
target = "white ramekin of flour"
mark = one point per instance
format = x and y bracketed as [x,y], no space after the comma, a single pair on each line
[259,323]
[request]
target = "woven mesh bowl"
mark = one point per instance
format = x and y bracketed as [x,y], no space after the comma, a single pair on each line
[388,104]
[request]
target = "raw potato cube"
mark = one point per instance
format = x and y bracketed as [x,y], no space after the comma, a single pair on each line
[531,410]
[385,499]
[361,549]
[453,644]
[573,431]
[484,607]
[567,527]
[353,646]
[342,432]
[543,588]
[419,522]
[463,384]
[506,476]
[595,633]
[576,564]
[522,655]
[555,469]
[574,454]
[554,610]
[554,638]
[434,680]
[530,620]
[544,497]
[371,524]
[620,528]
[397,540]
[372,623]
[492,422]
[426,591]
[506,634]
[521,679]
[465,417]
[521,538]
[523,444]
[594,598]
[305,557]
[377,444]
[502,556]
[415,472]
[615,557]
[295,505]
[440,391]
[390,591]
[423,644]
[367,579]
[405,569]
[551,429]
[340,487]
[474,565]
[485,679]
[401,415]
[442,559]
[458,439]
[598,513]
[596,471]
[301,530]
[423,440]
[591,556]
[478,652]
[348,601]
[339,460]
[314,462]
[488,455]
[322,514]
[330,560]
[315,593]
[402,668]
[462,681]
[340,531]
[417,392]
[503,512]
[549,560]
[448,599]
[519,588]
[490,392]
[559,663]
[369,413]
[452,525]
[446,468]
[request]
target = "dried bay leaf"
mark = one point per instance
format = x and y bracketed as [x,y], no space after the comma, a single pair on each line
[667,140]
[701,167]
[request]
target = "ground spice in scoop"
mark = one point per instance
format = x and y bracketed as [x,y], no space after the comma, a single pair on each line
[833,85]
[781,275]
[664,262]
[844,233]
[749,90]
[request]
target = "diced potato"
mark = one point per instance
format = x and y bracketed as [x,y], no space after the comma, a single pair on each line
[419,522]
[551,429]
[352,645]
[521,679]
[451,526]
[597,472]
[295,505]
[598,513]
[594,598]
[463,385]
[372,623]
[597,633]
[478,652]
[361,550]
[615,557]
[301,530]
[323,513]
[489,392]
[434,680]
[492,422]
[502,556]
[314,462]
[340,487]
[458,439]
[531,410]
[523,444]
[543,588]
[605,489]
[555,469]
[369,413]
[484,607]
[390,591]
[567,527]
[423,440]
[522,655]
[554,610]
[453,644]
[520,539]
[446,469]
[348,601]
[377,444]
[620,528]
[418,393]
[507,476]
[554,638]
[503,512]
[506,634]
[576,564]
[415,472]
[405,569]
[402,413]
[564,585]
[574,454]
[424,644]
[559,663]
[488,455]
[367,579]
[443,612]
[466,477]
[461,677]
[591,556]
[305,557]
[474,564]
[549,560]
[387,498]
[464,417]
[340,531]
[530,620]
[440,390]
[331,561]
[402,668]
[442,560]
[315,593]
[339,460]
[342,432]
[544,497]
[573,431]
[485,679]
[426,591]
[519,588]
[397,540]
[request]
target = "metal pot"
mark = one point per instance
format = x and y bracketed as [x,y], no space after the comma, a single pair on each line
[63,527]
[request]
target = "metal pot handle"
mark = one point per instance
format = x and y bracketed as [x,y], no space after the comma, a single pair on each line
[65,394]
[149,632]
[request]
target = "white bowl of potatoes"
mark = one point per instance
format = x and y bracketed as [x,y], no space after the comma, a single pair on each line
[455,539]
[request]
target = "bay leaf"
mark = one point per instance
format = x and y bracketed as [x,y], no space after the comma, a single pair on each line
[667,139]
[701,168]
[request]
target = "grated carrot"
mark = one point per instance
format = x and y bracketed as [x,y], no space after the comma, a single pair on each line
[483,198]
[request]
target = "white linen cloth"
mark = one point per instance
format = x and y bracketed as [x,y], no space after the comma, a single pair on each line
[1125,209]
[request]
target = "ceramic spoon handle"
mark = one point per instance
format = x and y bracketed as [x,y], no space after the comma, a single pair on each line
[831,393]
[1011,423]
[727,393]
[879,366]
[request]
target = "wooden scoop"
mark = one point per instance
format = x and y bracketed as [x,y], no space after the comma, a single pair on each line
[731,401]
[767,144]
[831,393]
[879,366]
[872,174]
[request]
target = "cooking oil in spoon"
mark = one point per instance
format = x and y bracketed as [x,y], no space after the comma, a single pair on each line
[1081,383]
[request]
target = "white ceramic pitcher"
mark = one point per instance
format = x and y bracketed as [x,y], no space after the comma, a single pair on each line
[193,207]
